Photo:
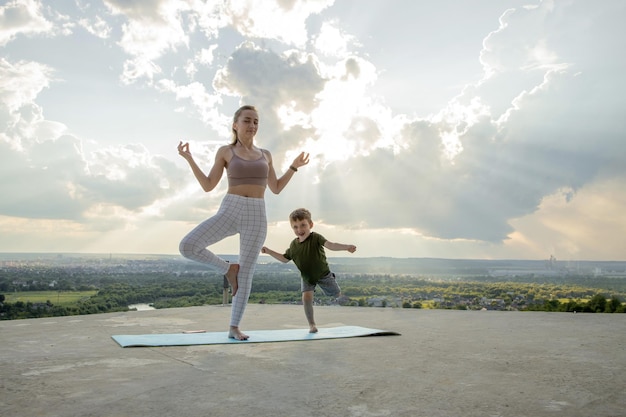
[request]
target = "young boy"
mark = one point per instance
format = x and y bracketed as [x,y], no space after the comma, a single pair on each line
[307,252]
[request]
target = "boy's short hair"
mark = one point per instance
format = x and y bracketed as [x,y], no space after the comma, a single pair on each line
[300,214]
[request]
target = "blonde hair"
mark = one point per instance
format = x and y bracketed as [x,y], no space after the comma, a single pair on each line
[300,214]
[236,116]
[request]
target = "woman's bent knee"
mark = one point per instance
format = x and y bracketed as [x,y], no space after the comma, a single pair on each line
[187,248]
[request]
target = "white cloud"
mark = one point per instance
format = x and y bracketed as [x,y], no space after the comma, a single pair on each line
[283,20]
[21,121]
[37,182]
[152,29]
[44,171]
[97,27]
[202,102]
[331,40]
[206,55]
[21,82]
[22,17]
[129,177]
[280,78]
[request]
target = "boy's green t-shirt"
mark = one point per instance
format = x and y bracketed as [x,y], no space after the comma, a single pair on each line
[309,257]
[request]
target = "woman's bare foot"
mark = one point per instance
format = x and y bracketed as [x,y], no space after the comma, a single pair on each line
[235,333]
[312,328]
[231,276]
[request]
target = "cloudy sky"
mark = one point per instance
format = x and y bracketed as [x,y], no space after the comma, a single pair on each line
[450,129]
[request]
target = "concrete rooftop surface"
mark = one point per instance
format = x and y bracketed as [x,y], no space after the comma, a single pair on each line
[444,363]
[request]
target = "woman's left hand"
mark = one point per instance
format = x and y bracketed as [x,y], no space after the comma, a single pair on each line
[301,160]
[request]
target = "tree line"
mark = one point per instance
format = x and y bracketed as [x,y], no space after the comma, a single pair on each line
[115,292]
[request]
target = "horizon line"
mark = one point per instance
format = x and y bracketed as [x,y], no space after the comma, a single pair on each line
[122,254]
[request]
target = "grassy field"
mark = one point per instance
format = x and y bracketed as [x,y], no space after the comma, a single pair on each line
[59,298]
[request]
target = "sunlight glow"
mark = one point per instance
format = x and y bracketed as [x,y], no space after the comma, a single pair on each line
[342,102]
[451,144]
[279,20]
[332,40]
[290,117]
[458,118]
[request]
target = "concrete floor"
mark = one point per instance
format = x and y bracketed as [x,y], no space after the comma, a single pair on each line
[445,363]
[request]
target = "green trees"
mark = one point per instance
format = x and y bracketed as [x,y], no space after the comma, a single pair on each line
[597,304]
[165,290]
[614,305]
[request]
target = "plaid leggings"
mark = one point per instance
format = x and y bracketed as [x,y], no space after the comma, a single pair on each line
[236,214]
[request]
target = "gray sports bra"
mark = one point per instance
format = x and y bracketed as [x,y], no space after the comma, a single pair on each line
[243,172]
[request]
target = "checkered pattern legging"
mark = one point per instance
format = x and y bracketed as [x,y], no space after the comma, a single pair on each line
[236,214]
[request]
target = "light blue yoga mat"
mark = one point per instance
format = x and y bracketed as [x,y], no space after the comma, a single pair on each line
[256,336]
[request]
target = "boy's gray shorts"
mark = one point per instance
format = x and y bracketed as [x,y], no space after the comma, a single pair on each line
[328,284]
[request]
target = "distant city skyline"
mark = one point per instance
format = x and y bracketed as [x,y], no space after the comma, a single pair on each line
[458,130]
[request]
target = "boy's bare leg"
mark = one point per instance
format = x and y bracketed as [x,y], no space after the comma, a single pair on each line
[235,333]
[307,302]
[231,276]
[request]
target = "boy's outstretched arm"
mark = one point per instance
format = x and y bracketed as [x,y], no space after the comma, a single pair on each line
[274,254]
[339,246]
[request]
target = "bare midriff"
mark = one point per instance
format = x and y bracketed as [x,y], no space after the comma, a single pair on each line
[247,190]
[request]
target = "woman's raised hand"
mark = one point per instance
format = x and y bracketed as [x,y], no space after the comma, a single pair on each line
[183,150]
[301,160]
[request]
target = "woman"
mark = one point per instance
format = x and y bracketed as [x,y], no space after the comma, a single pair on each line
[250,171]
